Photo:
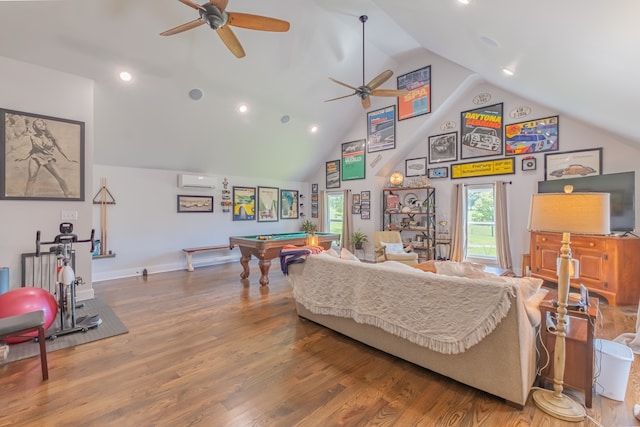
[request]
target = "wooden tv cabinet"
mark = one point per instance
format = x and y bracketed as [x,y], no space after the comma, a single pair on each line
[608,265]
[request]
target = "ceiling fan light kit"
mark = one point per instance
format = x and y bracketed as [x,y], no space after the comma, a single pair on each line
[370,89]
[214,14]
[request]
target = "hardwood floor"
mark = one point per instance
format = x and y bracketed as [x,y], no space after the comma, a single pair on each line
[208,349]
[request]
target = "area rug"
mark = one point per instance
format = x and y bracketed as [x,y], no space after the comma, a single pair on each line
[110,326]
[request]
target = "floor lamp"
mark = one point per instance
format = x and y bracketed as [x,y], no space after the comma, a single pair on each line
[582,213]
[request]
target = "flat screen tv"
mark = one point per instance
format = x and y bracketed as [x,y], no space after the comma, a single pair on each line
[621,186]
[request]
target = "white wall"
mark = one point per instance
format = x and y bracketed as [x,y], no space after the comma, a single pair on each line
[32,89]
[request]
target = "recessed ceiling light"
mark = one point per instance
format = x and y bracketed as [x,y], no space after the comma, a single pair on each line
[508,72]
[125,76]
[242,108]
[313,128]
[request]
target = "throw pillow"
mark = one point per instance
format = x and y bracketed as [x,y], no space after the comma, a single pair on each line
[393,248]
[345,254]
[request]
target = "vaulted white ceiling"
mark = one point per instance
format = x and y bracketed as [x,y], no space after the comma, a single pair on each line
[579,58]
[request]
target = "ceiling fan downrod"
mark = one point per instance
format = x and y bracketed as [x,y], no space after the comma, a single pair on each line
[363,19]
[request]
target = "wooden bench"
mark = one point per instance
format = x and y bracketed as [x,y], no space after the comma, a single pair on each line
[190,251]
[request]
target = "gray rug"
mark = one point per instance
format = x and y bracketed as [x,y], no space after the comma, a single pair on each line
[110,326]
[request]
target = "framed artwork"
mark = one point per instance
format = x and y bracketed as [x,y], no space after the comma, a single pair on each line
[268,204]
[353,160]
[365,214]
[441,172]
[572,164]
[195,203]
[244,203]
[289,204]
[415,167]
[535,136]
[355,199]
[381,129]
[332,170]
[314,188]
[504,166]
[355,209]
[365,196]
[529,163]
[443,148]
[42,157]
[418,101]
[481,132]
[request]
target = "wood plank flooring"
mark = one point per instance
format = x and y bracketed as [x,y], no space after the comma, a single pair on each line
[208,349]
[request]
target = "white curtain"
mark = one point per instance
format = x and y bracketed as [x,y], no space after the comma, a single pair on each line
[503,247]
[347,221]
[457,224]
[322,214]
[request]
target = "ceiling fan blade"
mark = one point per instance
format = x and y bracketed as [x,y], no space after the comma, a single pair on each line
[366,102]
[257,22]
[379,79]
[340,97]
[184,27]
[230,40]
[388,92]
[220,4]
[343,84]
[192,4]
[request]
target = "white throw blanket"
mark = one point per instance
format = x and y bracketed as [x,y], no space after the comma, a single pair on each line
[446,314]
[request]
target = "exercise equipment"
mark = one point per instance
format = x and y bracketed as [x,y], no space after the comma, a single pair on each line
[25,300]
[67,281]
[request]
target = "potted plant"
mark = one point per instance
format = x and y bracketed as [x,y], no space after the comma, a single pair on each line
[308,227]
[358,238]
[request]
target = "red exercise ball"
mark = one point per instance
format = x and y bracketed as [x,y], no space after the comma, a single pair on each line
[23,300]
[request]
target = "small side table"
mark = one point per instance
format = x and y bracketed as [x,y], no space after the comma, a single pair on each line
[578,373]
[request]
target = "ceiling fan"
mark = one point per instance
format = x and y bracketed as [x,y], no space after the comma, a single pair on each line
[215,15]
[371,88]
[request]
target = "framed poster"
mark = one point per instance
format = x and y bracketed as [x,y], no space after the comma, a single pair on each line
[418,101]
[365,196]
[244,203]
[481,132]
[42,157]
[355,209]
[573,164]
[332,171]
[268,204]
[443,148]
[381,129]
[355,199]
[314,188]
[195,203]
[535,136]
[441,172]
[353,160]
[415,167]
[365,213]
[505,166]
[289,204]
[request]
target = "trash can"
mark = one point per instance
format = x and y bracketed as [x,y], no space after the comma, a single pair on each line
[612,367]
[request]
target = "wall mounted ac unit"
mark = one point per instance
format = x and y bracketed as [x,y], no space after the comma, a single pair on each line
[196,181]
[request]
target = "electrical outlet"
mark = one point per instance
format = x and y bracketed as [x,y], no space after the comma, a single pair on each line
[69,215]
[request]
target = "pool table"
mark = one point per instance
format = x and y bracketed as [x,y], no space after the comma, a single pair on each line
[266,247]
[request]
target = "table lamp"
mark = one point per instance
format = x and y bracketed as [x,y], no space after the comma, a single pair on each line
[582,213]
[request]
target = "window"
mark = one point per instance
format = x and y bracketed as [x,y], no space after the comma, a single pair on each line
[480,224]
[335,214]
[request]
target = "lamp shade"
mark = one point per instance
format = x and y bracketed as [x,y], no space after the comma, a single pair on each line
[582,213]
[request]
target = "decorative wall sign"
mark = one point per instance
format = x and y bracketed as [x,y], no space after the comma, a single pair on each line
[573,164]
[289,204]
[195,203]
[443,148]
[481,98]
[415,167]
[535,136]
[447,126]
[353,160]
[529,163]
[244,203]
[481,132]
[41,157]
[381,129]
[332,170]
[505,166]
[520,112]
[376,160]
[268,198]
[418,101]
[435,173]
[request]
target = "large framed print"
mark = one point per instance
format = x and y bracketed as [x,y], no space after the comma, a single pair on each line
[534,136]
[573,164]
[195,203]
[244,203]
[415,167]
[505,166]
[443,148]
[332,171]
[289,204]
[42,157]
[381,129]
[418,101]
[481,132]
[353,160]
[268,198]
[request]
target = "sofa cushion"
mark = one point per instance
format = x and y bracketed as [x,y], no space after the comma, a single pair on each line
[393,248]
